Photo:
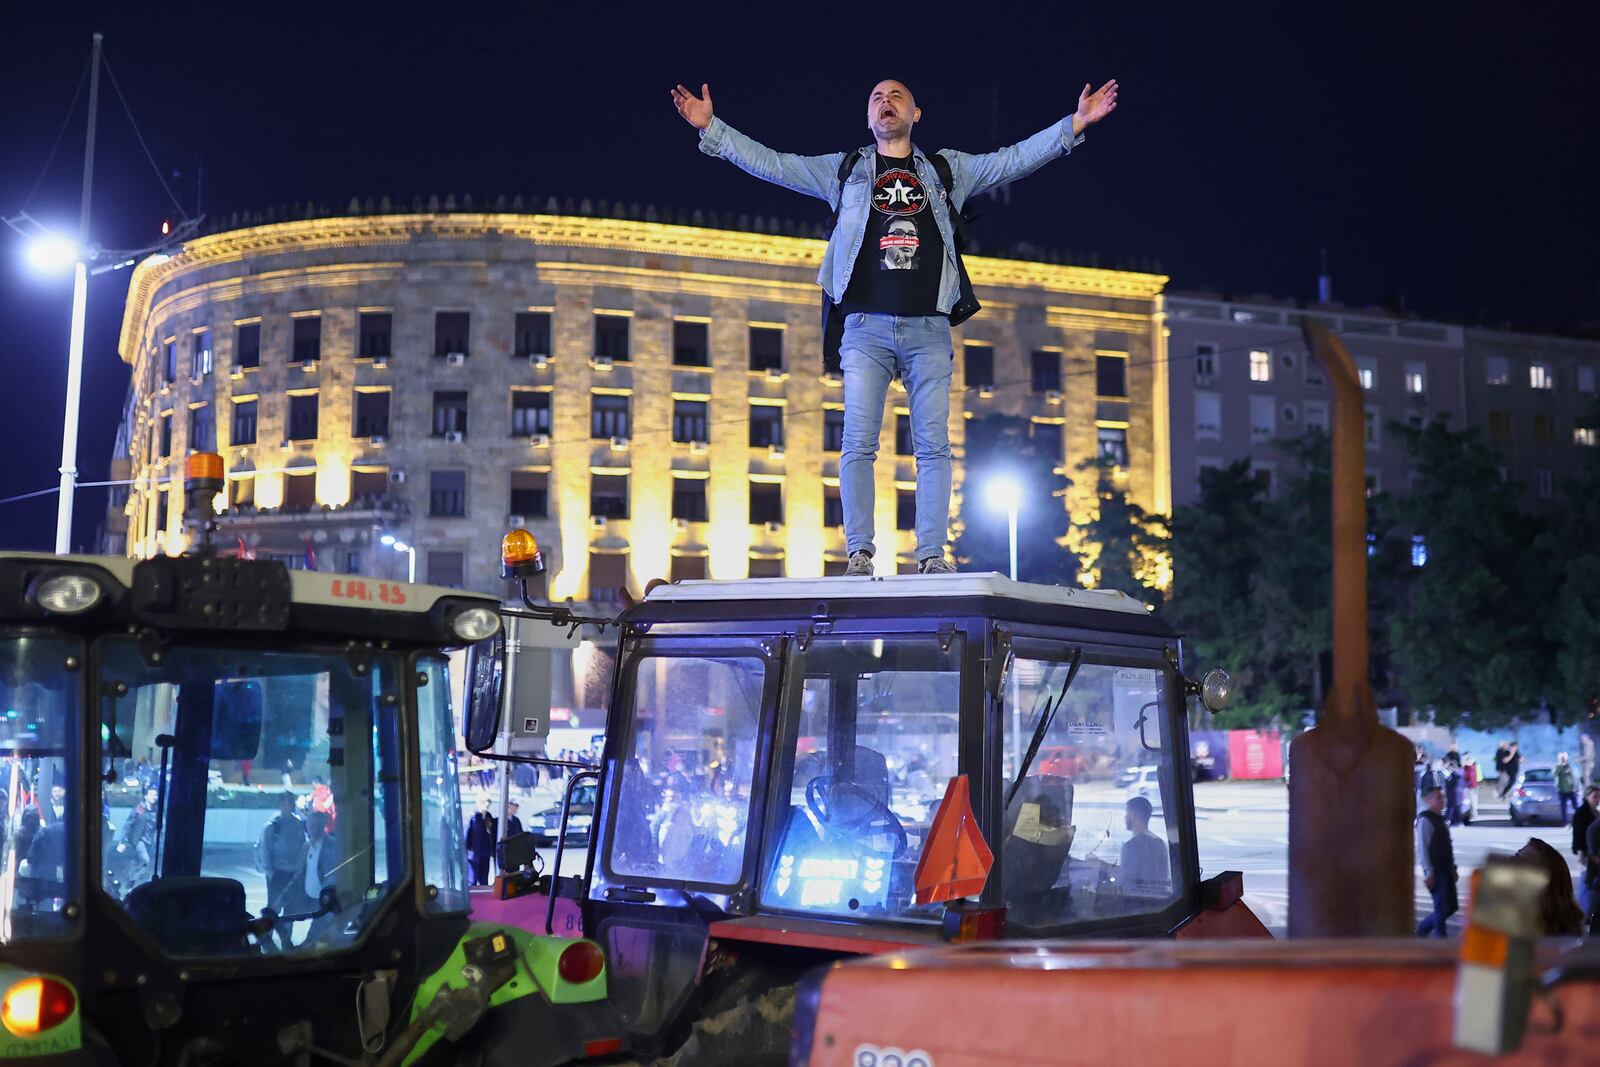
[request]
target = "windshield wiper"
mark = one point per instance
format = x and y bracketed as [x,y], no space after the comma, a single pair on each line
[1045,719]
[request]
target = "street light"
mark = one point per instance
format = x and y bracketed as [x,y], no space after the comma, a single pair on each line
[1005,494]
[50,254]
[391,541]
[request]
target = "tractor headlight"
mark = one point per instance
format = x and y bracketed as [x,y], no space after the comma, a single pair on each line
[475,624]
[66,594]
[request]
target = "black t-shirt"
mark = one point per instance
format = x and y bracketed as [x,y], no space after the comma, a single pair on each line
[902,255]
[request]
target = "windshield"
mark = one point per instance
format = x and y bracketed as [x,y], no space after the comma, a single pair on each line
[1086,835]
[684,800]
[444,856]
[871,745]
[1541,774]
[245,784]
[40,814]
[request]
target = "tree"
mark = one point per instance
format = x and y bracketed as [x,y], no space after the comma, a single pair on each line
[1000,444]
[1465,636]
[1126,547]
[1572,624]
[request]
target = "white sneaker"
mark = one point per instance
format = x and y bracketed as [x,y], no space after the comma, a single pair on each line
[936,565]
[860,565]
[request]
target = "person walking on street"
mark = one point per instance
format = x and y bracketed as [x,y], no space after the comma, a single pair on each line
[1585,758]
[481,838]
[1566,785]
[1513,765]
[1582,819]
[281,856]
[1438,861]
[892,270]
[1559,913]
[1452,786]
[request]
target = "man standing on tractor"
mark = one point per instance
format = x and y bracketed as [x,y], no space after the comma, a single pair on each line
[893,273]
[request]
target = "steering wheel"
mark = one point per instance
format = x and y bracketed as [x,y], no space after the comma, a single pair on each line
[879,821]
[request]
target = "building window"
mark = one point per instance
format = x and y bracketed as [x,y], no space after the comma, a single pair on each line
[689,499]
[368,486]
[166,434]
[161,511]
[1263,418]
[608,496]
[979,366]
[833,568]
[1586,381]
[1541,376]
[1260,366]
[1544,428]
[1547,484]
[1583,435]
[1416,379]
[766,348]
[1047,440]
[243,431]
[447,494]
[1500,425]
[691,345]
[766,502]
[447,568]
[1367,371]
[533,334]
[905,509]
[303,417]
[832,507]
[1208,415]
[608,416]
[1113,445]
[833,429]
[1110,375]
[202,429]
[201,364]
[608,576]
[766,566]
[307,339]
[1497,370]
[1205,362]
[169,362]
[530,494]
[247,345]
[689,421]
[903,443]
[372,414]
[1046,376]
[352,562]
[300,491]
[1370,427]
[530,412]
[1316,415]
[687,569]
[242,491]
[1419,550]
[766,426]
[611,337]
[1314,371]
[376,329]
[451,333]
[449,412]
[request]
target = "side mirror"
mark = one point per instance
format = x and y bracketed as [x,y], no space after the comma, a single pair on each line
[236,712]
[1216,689]
[485,669]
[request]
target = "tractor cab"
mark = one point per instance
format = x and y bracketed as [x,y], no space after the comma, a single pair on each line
[801,769]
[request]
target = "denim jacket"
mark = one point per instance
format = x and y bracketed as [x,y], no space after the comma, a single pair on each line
[818,176]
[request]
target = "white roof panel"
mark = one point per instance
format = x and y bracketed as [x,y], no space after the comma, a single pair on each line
[911,586]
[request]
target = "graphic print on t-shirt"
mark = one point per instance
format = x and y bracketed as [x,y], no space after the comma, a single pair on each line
[899,194]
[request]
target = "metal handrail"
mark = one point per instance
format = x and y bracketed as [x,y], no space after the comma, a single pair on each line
[561,841]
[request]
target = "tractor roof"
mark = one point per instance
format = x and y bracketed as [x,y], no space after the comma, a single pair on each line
[918,587]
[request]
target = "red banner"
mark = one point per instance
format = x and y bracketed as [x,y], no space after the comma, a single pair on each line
[1254,754]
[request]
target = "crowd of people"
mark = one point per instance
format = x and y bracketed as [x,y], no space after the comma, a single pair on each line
[299,856]
[1447,790]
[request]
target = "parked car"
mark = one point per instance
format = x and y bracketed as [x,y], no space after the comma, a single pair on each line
[1534,798]
[1140,780]
[547,824]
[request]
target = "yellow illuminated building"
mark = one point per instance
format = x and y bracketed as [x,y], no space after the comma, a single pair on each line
[648,398]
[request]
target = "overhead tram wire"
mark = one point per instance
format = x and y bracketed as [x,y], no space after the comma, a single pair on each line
[734,420]
[138,134]
[65,122]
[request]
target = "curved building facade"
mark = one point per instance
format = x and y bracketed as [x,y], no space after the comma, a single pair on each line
[648,398]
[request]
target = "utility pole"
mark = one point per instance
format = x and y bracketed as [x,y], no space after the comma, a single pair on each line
[80,293]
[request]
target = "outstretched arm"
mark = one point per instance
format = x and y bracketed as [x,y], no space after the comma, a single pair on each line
[816,176]
[974,173]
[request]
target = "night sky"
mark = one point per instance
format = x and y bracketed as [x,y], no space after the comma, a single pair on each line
[1444,154]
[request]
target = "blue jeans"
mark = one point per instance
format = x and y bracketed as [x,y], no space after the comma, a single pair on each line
[875,349]
[1444,906]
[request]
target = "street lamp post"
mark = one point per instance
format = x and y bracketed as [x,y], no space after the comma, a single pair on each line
[80,295]
[400,546]
[1006,495]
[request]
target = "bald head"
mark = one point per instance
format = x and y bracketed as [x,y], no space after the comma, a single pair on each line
[891,110]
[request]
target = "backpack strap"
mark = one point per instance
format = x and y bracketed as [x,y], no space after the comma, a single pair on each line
[958,219]
[846,166]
